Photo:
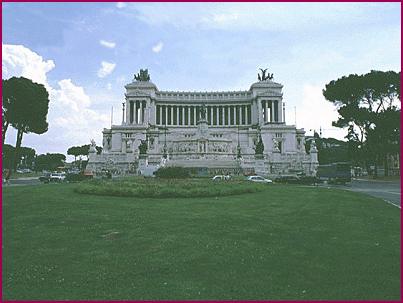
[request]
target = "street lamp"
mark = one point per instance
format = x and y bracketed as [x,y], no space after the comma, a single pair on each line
[238,155]
[164,155]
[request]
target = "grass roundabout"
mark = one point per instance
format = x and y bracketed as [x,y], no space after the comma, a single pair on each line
[168,188]
[280,243]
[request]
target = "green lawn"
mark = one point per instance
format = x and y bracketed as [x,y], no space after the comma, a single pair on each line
[286,242]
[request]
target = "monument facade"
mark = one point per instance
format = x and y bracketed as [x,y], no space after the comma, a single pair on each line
[210,132]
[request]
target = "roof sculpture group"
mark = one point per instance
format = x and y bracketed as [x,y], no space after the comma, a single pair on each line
[143,75]
[264,77]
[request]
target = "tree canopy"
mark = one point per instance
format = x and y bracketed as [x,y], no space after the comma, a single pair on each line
[369,108]
[25,107]
[49,162]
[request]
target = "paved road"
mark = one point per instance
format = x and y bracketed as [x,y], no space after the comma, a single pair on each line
[24,181]
[387,190]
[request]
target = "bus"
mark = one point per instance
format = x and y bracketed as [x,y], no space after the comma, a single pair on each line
[335,172]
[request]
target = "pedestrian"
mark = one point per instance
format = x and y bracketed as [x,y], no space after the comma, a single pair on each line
[7,176]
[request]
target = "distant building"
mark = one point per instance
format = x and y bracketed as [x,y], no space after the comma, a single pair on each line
[211,132]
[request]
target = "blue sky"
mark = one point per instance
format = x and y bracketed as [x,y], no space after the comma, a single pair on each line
[85,52]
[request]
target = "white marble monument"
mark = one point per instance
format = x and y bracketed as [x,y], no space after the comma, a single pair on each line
[213,132]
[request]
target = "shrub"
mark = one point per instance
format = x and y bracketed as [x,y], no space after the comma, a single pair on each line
[172,173]
[167,188]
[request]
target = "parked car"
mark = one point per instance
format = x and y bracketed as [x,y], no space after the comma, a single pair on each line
[288,179]
[88,174]
[45,178]
[259,179]
[339,172]
[57,177]
[221,178]
[307,180]
[77,176]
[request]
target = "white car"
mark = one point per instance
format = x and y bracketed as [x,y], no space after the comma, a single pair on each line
[57,177]
[221,177]
[259,179]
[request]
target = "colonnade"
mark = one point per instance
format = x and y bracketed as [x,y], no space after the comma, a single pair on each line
[216,115]
[270,111]
[219,115]
[137,110]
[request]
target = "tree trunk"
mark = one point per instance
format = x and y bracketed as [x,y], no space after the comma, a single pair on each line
[386,165]
[17,149]
[5,127]
[376,168]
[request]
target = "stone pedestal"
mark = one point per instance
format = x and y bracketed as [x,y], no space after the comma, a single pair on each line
[143,163]
[260,167]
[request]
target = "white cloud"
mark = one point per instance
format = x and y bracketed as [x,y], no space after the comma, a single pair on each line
[121,4]
[105,69]
[253,16]
[107,44]
[315,112]
[109,86]
[20,61]
[158,47]
[77,123]
[71,119]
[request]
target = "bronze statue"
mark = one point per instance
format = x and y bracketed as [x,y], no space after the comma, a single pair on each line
[143,147]
[203,112]
[264,77]
[143,75]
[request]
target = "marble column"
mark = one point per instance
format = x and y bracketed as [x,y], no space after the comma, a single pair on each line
[188,108]
[272,111]
[259,112]
[194,115]
[241,114]
[131,109]
[136,112]
[211,115]
[217,116]
[173,122]
[276,115]
[141,113]
[183,115]
[177,114]
[166,114]
[222,115]
[161,114]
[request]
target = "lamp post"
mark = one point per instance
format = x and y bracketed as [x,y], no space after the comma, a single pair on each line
[123,113]
[238,155]
[164,155]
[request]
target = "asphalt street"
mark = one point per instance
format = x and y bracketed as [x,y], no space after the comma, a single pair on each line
[23,181]
[386,190]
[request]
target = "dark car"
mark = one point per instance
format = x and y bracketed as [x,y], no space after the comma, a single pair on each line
[307,180]
[288,179]
[79,176]
[45,178]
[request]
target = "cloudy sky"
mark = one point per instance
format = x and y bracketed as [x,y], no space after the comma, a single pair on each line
[85,53]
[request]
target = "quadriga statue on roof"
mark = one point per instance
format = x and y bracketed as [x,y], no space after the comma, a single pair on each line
[263,76]
[143,75]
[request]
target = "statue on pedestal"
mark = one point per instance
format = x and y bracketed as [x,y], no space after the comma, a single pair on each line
[93,146]
[143,147]
[276,147]
[203,112]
